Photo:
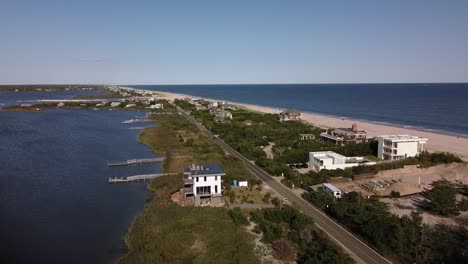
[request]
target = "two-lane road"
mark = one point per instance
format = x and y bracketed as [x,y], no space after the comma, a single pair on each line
[361,252]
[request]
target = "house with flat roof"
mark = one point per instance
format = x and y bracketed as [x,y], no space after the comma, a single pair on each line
[202,182]
[398,147]
[343,136]
[289,115]
[332,161]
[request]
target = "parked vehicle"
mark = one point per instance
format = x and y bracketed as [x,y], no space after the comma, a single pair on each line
[332,190]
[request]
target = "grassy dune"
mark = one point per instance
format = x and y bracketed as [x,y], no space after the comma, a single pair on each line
[167,233]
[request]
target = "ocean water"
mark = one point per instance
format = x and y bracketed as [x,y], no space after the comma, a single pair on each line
[56,205]
[434,107]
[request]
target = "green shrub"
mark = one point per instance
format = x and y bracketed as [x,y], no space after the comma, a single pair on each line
[237,216]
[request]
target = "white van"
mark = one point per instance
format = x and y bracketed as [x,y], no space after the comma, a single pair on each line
[330,189]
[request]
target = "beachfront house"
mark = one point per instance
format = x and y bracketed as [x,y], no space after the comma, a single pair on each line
[331,161]
[221,115]
[289,115]
[343,136]
[202,183]
[398,147]
[306,136]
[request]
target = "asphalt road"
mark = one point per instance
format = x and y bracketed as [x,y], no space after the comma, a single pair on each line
[361,252]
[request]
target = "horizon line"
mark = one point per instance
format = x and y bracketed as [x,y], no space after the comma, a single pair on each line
[192,84]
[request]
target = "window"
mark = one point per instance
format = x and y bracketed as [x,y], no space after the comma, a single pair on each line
[205,178]
[204,190]
[197,179]
[216,178]
[216,188]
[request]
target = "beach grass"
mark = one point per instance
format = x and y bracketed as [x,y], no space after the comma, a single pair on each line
[167,233]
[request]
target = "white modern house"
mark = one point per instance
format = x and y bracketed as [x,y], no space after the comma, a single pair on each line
[331,161]
[398,147]
[203,183]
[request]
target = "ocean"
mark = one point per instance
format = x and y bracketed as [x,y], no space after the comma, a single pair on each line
[436,107]
[55,202]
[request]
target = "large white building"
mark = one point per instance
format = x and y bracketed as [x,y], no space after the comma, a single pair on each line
[331,161]
[203,183]
[397,147]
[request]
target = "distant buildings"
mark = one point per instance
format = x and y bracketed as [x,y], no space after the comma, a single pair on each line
[343,136]
[201,107]
[220,114]
[306,136]
[331,161]
[115,104]
[289,115]
[398,147]
[203,183]
[156,106]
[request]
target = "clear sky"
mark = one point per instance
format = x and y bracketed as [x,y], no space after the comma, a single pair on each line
[221,41]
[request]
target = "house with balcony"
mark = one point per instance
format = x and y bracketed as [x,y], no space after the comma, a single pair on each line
[344,136]
[290,115]
[202,183]
[398,147]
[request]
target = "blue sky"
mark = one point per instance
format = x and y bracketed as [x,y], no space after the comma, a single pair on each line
[212,42]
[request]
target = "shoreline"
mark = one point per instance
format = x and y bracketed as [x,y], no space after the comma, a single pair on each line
[437,141]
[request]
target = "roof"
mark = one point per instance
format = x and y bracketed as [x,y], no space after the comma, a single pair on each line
[203,169]
[291,111]
[401,137]
[326,155]
[345,130]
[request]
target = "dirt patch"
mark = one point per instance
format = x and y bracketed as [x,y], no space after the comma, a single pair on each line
[269,150]
[198,245]
[262,250]
[405,205]
[409,180]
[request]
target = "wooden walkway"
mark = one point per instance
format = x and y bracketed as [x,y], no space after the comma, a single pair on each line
[137,178]
[136,161]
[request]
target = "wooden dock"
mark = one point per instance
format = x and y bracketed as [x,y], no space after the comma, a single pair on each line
[136,161]
[137,178]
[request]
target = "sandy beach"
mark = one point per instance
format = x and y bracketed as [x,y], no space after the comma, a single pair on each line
[437,142]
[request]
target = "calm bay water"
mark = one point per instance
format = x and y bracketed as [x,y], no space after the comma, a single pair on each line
[55,203]
[439,107]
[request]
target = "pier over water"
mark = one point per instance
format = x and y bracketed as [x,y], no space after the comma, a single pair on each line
[137,178]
